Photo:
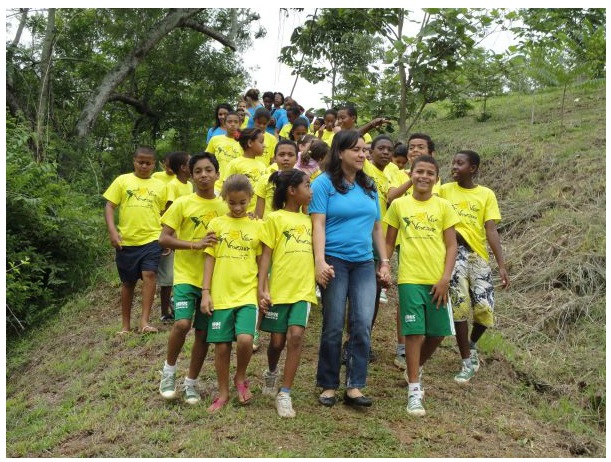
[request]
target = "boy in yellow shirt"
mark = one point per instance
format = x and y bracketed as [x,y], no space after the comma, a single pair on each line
[262,118]
[141,200]
[185,229]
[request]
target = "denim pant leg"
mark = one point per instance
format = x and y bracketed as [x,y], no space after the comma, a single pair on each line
[362,296]
[334,311]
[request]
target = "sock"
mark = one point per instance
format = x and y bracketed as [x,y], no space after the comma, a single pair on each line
[285,390]
[168,368]
[190,382]
[413,388]
[467,363]
[401,349]
[472,345]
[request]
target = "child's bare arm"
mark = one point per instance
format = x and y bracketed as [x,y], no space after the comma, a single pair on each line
[394,193]
[492,235]
[168,239]
[109,216]
[440,290]
[391,238]
[207,307]
[265,301]
[260,207]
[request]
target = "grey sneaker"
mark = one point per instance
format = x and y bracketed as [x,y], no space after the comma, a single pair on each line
[465,374]
[400,362]
[167,386]
[284,405]
[414,404]
[474,360]
[269,382]
[190,394]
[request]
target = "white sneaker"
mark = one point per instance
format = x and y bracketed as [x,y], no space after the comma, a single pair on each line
[190,394]
[284,405]
[383,296]
[414,404]
[167,386]
[269,383]
[474,360]
[318,295]
[420,372]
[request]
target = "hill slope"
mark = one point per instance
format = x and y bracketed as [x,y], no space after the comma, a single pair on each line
[76,389]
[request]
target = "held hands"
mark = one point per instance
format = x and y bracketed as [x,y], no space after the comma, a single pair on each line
[383,275]
[265,301]
[206,307]
[324,273]
[440,292]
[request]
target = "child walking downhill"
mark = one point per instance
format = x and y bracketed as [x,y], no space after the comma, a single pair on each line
[471,287]
[141,200]
[286,241]
[424,224]
[185,229]
[226,147]
[229,290]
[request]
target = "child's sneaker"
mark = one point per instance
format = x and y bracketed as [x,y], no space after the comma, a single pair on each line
[465,374]
[255,342]
[383,296]
[269,382]
[400,362]
[414,404]
[190,394]
[167,387]
[474,360]
[284,405]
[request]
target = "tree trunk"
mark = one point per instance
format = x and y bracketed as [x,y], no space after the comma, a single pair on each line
[403,82]
[45,74]
[113,79]
[24,17]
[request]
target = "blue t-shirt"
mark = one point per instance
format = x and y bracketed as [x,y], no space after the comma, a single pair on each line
[213,131]
[251,119]
[349,219]
[280,115]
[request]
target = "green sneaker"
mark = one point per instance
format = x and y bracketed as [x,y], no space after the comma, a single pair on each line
[465,374]
[190,394]
[167,387]
[474,360]
[255,342]
[269,383]
[414,404]
[400,362]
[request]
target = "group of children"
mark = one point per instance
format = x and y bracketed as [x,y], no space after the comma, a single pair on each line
[233,233]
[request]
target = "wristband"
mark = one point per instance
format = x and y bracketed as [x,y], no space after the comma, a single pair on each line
[206,289]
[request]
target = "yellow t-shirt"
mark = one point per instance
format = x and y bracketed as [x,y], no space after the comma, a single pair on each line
[225,149]
[381,180]
[252,168]
[327,136]
[176,188]
[265,189]
[140,203]
[315,175]
[245,123]
[284,131]
[234,281]
[163,176]
[474,208]
[367,138]
[190,216]
[289,235]
[270,142]
[420,226]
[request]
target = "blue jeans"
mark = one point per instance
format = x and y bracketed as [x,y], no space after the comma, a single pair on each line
[357,282]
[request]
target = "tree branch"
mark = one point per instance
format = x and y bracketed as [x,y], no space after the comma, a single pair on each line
[199,27]
[138,105]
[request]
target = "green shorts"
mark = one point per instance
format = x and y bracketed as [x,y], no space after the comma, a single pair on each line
[187,300]
[225,325]
[279,317]
[420,316]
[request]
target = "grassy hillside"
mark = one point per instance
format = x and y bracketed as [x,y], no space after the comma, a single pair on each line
[76,389]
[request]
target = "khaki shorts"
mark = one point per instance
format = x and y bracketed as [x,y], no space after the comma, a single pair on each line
[165,272]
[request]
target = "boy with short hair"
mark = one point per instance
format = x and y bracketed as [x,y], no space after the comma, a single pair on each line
[141,200]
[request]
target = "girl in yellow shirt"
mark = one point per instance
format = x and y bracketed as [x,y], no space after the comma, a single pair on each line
[287,243]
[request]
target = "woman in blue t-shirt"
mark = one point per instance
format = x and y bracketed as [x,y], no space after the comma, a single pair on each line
[345,222]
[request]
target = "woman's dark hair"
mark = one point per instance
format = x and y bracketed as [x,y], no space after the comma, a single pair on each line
[400,150]
[427,159]
[248,134]
[283,180]
[297,123]
[423,136]
[216,113]
[282,141]
[472,156]
[195,158]
[342,140]
[178,159]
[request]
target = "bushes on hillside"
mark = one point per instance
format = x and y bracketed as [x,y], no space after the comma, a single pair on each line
[52,237]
